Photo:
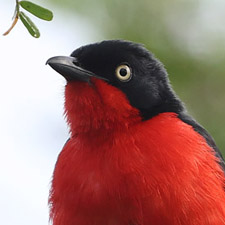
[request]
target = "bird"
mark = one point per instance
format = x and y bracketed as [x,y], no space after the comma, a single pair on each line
[134,156]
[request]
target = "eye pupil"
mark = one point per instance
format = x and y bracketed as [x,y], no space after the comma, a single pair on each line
[123,72]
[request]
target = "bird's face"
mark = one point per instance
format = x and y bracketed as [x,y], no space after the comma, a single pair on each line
[112,82]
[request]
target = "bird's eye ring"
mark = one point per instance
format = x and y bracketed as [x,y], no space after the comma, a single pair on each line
[123,73]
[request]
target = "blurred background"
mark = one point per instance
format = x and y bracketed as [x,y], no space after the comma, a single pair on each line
[188,36]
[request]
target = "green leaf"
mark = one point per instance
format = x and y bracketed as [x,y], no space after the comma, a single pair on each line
[37,10]
[33,30]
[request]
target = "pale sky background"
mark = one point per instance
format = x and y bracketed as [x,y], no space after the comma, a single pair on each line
[32,126]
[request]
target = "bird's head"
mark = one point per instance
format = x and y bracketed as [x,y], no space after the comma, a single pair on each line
[113,84]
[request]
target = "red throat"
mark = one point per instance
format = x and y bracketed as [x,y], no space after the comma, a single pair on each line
[97,105]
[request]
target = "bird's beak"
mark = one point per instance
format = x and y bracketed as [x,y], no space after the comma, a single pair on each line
[67,67]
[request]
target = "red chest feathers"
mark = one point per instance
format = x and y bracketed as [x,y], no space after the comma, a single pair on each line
[158,172]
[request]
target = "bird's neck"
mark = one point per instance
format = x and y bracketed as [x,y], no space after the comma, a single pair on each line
[168,102]
[91,112]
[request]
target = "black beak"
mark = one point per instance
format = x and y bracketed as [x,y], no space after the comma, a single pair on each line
[67,67]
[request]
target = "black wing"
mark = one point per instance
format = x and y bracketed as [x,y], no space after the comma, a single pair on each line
[198,128]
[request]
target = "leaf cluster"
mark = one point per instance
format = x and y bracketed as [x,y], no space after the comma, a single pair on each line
[34,9]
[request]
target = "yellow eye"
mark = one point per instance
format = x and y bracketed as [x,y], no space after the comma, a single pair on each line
[123,73]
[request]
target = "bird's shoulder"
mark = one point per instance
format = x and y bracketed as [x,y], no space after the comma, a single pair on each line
[210,141]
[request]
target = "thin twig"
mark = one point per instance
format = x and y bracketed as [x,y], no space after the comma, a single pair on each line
[15,19]
[13,24]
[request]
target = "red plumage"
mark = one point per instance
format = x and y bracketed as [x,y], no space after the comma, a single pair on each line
[119,170]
